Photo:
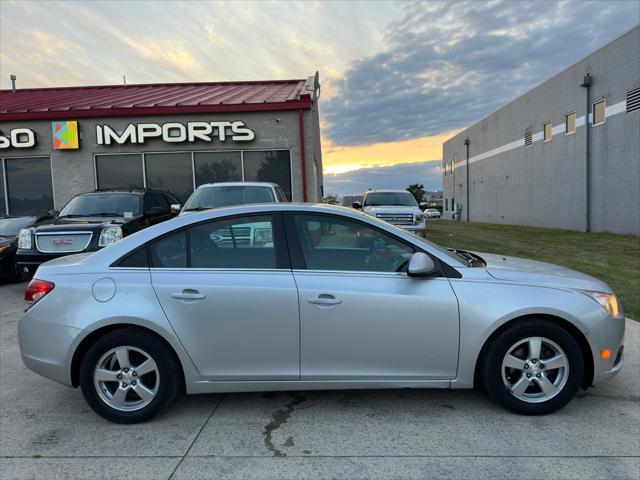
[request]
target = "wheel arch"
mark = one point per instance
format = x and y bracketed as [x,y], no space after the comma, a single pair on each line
[92,337]
[567,325]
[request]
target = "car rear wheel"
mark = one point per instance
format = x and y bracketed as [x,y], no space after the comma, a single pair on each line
[129,376]
[533,367]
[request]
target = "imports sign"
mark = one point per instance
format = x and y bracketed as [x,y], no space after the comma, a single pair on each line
[175,132]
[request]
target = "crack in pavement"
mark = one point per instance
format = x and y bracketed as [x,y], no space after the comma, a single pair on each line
[619,398]
[279,418]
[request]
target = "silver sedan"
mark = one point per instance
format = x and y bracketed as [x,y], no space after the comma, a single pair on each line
[302,297]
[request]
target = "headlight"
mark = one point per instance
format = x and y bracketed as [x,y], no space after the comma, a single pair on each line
[608,301]
[262,237]
[24,239]
[109,235]
[417,218]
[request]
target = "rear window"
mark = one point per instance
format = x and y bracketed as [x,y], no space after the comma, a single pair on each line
[216,197]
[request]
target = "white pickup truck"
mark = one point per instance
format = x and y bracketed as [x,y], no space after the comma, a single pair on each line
[394,206]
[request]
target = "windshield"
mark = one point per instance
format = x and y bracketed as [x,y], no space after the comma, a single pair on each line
[10,227]
[215,197]
[102,204]
[404,199]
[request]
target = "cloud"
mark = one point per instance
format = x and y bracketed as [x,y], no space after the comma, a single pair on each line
[169,41]
[356,182]
[343,159]
[448,64]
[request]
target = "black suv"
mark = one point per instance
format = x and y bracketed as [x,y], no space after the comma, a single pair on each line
[91,221]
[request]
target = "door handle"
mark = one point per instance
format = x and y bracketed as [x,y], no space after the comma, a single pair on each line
[188,294]
[325,299]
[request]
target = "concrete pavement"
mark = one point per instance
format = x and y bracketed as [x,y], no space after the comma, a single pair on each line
[47,431]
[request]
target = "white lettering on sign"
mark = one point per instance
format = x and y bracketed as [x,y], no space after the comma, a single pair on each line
[18,138]
[128,135]
[175,132]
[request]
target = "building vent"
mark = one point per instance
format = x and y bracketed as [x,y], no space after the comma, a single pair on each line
[528,137]
[633,100]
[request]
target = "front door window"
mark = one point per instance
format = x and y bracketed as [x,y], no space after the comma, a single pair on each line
[331,243]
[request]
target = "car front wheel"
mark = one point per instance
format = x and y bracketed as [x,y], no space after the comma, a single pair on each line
[533,367]
[129,376]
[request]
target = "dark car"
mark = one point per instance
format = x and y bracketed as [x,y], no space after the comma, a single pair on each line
[10,227]
[91,221]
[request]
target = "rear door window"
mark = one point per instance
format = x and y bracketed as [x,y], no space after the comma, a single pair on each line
[244,242]
[169,251]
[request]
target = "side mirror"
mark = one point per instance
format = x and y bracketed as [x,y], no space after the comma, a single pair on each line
[154,211]
[423,206]
[421,265]
[356,205]
[52,213]
[175,208]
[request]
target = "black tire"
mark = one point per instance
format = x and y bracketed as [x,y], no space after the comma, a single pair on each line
[491,365]
[167,366]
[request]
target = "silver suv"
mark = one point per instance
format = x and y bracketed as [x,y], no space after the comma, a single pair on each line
[228,194]
[398,207]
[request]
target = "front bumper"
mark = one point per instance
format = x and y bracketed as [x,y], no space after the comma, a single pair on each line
[608,334]
[45,347]
[6,265]
[420,228]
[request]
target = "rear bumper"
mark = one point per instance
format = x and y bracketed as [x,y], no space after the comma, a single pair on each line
[45,346]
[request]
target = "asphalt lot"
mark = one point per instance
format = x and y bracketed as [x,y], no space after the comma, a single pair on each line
[47,431]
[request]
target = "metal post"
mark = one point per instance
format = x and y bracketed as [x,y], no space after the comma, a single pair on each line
[466,144]
[586,84]
[13,83]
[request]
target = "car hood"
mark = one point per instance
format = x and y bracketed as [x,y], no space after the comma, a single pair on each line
[524,270]
[79,223]
[392,209]
[8,241]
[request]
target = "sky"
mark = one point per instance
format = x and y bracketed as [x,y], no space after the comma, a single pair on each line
[398,78]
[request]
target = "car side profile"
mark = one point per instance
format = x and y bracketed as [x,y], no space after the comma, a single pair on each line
[321,297]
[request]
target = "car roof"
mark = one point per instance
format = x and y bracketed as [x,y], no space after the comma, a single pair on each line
[388,191]
[239,184]
[127,190]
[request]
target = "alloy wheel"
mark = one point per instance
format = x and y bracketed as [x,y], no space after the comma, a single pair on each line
[126,378]
[535,369]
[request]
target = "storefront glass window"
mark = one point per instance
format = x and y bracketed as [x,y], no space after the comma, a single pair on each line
[119,171]
[29,186]
[269,166]
[217,167]
[3,203]
[171,171]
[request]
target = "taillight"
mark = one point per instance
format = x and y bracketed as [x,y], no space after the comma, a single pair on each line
[36,290]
